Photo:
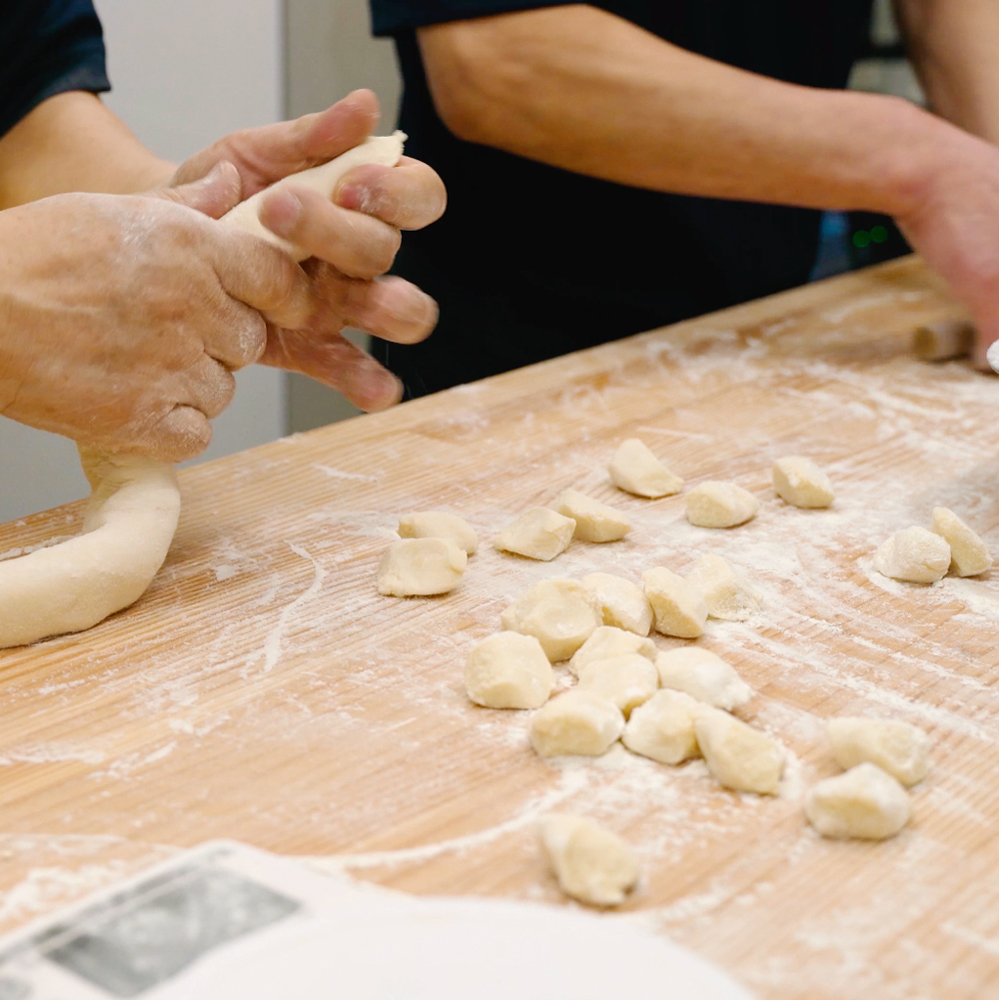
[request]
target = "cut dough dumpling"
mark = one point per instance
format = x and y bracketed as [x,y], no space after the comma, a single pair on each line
[421,567]
[539,533]
[969,555]
[509,670]
[439,524]
[729,596]
[577,722]
[627,681]
[914,555]
[560,614]
[864,802]
[622,603]
[703,675]
[720,505]
[607,642]
[591,864]
[896,747]
[595,521]
[635,469]
[663,728]
[800,482]
[679,607]
[740,757]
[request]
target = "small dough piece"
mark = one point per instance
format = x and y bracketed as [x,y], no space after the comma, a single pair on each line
[969,555]
[729,596]
[864,802]
[509,670]
[595,521]
[439,524]
[635,469]
[627,681]
[914,555]
[679,607]
[591,864]
[720,505]
[703,675]
[577,722]
[539,533]
[896,747]
[800,482]
[623,603]
[560,614]
[740,757]
[663,728]
[607,642]
[421,567]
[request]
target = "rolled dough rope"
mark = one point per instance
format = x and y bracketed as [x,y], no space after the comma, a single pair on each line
[135,502]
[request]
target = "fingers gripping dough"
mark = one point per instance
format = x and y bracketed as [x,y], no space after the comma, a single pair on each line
[864,802]
[439,524]
[896,747]
[509,670]
[679,607]
[663,728]
[740,757]
[703,675]
[729,596]
[635,469]
[595,521]
[622,603]
[577,722]
[560,614]
[627,680]
[606,642]
[539,533]
[421,567]
[969,555]
[914,555]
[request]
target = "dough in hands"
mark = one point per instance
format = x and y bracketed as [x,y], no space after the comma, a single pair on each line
[560,614]
[864,802]
[421,567]
[595,521]
[635,469]
[439,524]
[591,864]
[663,728]
[608,641]
[896,747]
[577,722]
[969,555]
[509,670]
[627,681]
[720,505]
[740,757]
[800,482]
[703,675]
[914,555]
[622,603]
[679,607]
[539,533]
[729,596]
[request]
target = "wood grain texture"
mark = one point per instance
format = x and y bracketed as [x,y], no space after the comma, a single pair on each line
[263,690]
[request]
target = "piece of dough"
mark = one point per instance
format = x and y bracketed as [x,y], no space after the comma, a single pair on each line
[740,757]
[127,529]
[914,555]
[627,680]
[383,149]
[663,728]
[896,747]
[703,675]
[679,607]
[560,614]
[622,603]
[729,596]
[421,567]
[969,555]
[595,521]
[608,641]
[577,722]
[864,802]
[539,533]
[591,864]
[635,469]
[799,481]
[439,524]
[720,505]
[509,670]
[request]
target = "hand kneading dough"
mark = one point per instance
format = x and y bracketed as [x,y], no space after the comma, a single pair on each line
[439,524]
[679,607]
[626,681]
[740,757]
[622,603]
[560,614]
[591,864]
[799,481]
[720,505]
[127,529]
[704,676]
[729,596]
[421,567]
[864,802]
[607,642]
[577,722]
[509,670]
[539,533]
[663,728]
[635,469]
[969,555]
[914,555]
[896,747]
[595,521]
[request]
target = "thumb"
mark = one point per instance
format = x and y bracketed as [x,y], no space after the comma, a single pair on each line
[214,194]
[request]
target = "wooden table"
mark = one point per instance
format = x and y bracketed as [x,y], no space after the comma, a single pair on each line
[262,690]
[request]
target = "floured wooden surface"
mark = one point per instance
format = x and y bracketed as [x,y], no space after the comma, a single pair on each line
[262,690]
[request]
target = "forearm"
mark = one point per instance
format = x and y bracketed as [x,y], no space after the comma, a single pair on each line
[72,142]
